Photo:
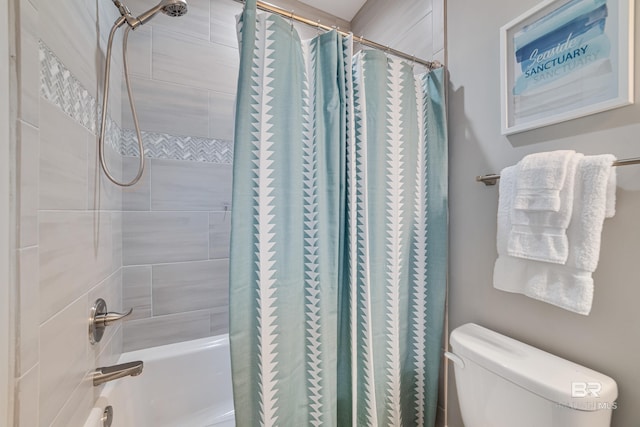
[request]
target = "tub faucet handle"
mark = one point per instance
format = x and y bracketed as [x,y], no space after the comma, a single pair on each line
[100,318]
[111,317]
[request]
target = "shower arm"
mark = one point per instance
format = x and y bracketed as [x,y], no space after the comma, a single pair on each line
[105,99]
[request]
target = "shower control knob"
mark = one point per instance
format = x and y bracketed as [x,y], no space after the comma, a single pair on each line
[107,416]
[100,318]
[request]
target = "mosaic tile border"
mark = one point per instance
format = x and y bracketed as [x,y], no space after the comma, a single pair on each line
[60,87]
[166,146]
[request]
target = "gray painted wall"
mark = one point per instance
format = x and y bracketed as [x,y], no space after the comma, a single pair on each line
[608,339]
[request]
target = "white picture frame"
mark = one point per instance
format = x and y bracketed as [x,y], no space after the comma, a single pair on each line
[565,59]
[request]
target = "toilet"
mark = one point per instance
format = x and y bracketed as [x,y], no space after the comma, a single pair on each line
[502,382]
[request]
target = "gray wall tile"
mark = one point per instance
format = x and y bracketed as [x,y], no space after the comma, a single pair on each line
[161,237]
[139,54]
[190,286]
[439,33]
[136,291]
[169,108]
[76,252]
[28,63]
[102,194]
[312,13]
[186,60]
[66,248]
[219,234]
[169,329]
[220,321]
[63,339]
[116,108]
[75,410]
[110,350]
[440,56]
[221,115]
[223,22]
[194,23]
[189,186]
[116,239]
[63,160]
[29,161]
[29,309]
[27,403]
[69,29]
[379,20]
[137,197]
[414,41]
[106,15]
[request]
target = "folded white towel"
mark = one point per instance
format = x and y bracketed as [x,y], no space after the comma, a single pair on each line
[612,183]
[503,278]
[597,200]
[542,235]
[540,179]
[568,286]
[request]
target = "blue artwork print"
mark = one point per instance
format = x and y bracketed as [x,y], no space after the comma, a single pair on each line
[562,60]
[570,38]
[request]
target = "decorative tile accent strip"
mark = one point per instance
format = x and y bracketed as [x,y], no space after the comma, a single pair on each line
[165,146]
[60,87]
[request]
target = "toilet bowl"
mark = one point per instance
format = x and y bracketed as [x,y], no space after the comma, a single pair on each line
[502,382]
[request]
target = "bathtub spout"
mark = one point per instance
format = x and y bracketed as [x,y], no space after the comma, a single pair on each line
[110,373]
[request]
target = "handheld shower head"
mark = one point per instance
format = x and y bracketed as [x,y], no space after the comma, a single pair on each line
[175,7]
[168,7]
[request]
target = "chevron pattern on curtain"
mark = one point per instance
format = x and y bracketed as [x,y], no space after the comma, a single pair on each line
[339,233]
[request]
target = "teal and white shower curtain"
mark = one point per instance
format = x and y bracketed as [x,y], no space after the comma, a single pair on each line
[339,233]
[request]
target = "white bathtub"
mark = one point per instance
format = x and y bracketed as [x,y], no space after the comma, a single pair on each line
[182,385]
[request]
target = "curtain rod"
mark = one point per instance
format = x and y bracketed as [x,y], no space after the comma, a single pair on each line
[432,65]
[492,179]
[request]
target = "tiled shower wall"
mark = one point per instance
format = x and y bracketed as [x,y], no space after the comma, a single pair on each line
[176,222]
[416,27]
[69,244]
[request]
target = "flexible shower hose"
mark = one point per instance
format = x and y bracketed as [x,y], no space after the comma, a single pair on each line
[105,101]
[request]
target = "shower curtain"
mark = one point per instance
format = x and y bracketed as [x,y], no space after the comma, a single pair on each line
[339,233]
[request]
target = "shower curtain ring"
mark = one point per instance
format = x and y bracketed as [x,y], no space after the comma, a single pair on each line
[291,18]
[318,26]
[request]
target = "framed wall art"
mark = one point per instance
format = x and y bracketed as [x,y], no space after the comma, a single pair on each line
[566,59]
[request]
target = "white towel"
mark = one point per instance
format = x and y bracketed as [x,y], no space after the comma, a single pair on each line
[541,177]
[542,235]
[503,278]
[568,286]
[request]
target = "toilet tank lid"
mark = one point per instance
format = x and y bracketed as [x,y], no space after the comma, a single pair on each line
[542,373]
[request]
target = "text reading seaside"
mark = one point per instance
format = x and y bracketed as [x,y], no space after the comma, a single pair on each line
[570,38]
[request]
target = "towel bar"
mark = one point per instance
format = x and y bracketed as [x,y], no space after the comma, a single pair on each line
[493,178]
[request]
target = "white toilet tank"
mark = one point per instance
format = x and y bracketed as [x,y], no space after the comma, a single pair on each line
[502,382]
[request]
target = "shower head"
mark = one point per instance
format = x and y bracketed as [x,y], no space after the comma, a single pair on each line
[168,7]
